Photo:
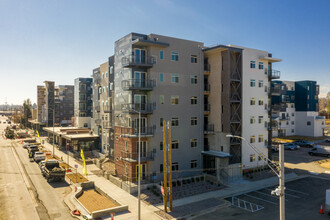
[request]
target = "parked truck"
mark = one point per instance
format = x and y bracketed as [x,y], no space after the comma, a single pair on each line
[52,171]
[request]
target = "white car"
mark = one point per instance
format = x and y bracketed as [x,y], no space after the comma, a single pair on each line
[26,145]
[39,156]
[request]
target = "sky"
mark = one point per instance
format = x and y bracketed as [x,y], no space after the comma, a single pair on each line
[60,40]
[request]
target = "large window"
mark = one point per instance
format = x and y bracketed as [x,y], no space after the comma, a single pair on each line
[252,120]
[252,157]
[161,55]
[252,83]
[193,100]
[193,59]
[261,102]
[261,83]
[175,144]
[175,78]
[193,142]
[252,139]
[253,64]
[193,164]
[260,138]
[252,101]
[174,100]
[161,99]
[175,56]
[175,122]
[193,121]
[261,119]
[161,77]
[175,166]
[193,79]
[261,65]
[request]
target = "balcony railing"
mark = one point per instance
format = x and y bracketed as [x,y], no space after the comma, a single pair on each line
[98,121]
[133,157]
[107,108]
[207,87]
[133,108]
[137,84]
[98,108]
[275,108]
[273,74]
[134,132]
[276,91]
[207,107]
[209,129]
[137,61]
[106,125]
[207,67]
[285,118]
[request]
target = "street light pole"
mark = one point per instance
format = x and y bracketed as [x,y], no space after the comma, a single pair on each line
[280,191]
[139,166]
[53,130]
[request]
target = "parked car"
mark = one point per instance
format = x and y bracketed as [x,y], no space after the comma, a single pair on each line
[327,140]
[319,150]
[291,146]
[26,145]
[39,156]
[275,148]
[303,143]
[41,164]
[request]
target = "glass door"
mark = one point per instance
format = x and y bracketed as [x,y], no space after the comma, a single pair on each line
[143,152]
[139,79]
[143,171]
[143,125]
[139,56]
[140,102]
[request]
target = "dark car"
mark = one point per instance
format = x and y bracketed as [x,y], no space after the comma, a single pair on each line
[320,151]
[303,143]
[291,146]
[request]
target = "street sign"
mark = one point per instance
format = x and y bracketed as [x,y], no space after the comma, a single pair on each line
[162,189]
[76,166]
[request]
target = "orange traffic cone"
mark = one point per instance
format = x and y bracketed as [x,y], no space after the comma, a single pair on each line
[321,210]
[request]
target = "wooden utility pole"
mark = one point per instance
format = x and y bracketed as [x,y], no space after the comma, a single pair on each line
[170,163]
[165,166]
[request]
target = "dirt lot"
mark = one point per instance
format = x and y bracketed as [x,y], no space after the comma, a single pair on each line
[94,201]
[76,179]
[65,166]
[325,165]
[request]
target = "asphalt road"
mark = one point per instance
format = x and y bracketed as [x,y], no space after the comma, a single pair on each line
[24,193]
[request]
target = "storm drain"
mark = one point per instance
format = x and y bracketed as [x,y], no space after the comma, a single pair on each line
[247,206]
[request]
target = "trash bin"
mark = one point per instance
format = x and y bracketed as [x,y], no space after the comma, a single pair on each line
[43,141]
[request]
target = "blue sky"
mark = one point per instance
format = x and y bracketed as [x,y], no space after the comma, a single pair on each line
[62,40]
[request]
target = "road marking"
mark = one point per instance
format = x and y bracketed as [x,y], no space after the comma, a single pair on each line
[269,195]
[313,172]
[254,197]
[297,191]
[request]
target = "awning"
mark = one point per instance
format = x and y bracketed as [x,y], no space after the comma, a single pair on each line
[216,153]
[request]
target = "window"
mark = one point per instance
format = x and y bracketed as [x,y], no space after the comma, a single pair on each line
[106,74]
[292,122]
[193,79]
[292,130]
[193,59]
[175,78]
[260,138]
[161,99]
[292,114]
[111,69]
[193,121]
[193,100]
[175,166]
[175,56]
[174,100]
[175,144]
[175,122]
[260,157]
[261,65]
[261,84]
[309,123]
[252,139]
[193,142]
[111,86]
[252,101]
[252,120]
[252,83]
[161,145]
[161,120]
[261,102]
[100,90]
[102,75]
[261,119]
[193,163]
[161,77]
[85,125]
[161,54]
[287,123]
[252,157]
[161,168]
[253,64]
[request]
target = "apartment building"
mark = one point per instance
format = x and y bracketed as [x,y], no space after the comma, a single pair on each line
[102,100]
[66,106]
[295,109]
[162,79]
[236,97]
[83,103]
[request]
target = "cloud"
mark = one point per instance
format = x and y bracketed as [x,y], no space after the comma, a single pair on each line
[324,91]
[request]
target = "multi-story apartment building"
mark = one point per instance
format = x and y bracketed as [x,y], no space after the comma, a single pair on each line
[102,100]
[236,97]
[162,79]
[295,109]
[83,103]
[66,100]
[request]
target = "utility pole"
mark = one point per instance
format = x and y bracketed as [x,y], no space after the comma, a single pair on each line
[170,163]
[165,166]
[282,188]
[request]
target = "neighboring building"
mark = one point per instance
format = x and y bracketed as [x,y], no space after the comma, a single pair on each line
[236,102]
[296,108]
[83,103]
[66,105]
[162,78]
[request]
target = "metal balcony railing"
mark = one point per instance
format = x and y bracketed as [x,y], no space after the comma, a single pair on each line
[138,84]
[98,108]
[276,91]
[207,67]
[106,125]
[137,61]
[285,118]
[209,129]
[133,157]
[273,74]
[134,132]
[207,107]
[135,108]
[207,87]
[98,121]
[107,108]
[275,108]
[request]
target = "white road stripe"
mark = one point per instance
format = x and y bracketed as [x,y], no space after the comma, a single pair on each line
[297,191]
[254,197]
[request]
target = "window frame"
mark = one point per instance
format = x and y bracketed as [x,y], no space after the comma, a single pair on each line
[174,78]
[193,58]
[174,56]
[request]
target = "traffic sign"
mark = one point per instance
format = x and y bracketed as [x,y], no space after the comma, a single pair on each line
[162,189]
[76,166]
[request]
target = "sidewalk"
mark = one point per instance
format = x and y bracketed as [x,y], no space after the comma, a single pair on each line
[123,197]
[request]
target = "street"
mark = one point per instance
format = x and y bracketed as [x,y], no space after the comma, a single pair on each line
[24,193]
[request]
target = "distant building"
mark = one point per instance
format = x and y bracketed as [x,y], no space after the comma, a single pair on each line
[83,103]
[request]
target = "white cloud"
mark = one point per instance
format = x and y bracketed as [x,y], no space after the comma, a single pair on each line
[324,90]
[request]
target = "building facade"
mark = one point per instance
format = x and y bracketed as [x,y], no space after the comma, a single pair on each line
[83,104]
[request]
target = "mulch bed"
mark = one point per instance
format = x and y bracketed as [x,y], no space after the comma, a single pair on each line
[94,201]
[76,178]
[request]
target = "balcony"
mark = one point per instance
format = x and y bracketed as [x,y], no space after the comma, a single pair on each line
[207,69]
[273,74]
[107,109]
[98,121]
[284,118]
[275,108]
[106,125]
[133,157]
[207,89]
[285,99]
[137,61]
[137,84]
[209,129]
[207,108]
[98,108]
[133,108]
[134,132]
[276,91]
[97,79]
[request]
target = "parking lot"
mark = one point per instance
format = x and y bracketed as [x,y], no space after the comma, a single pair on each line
[303,200]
